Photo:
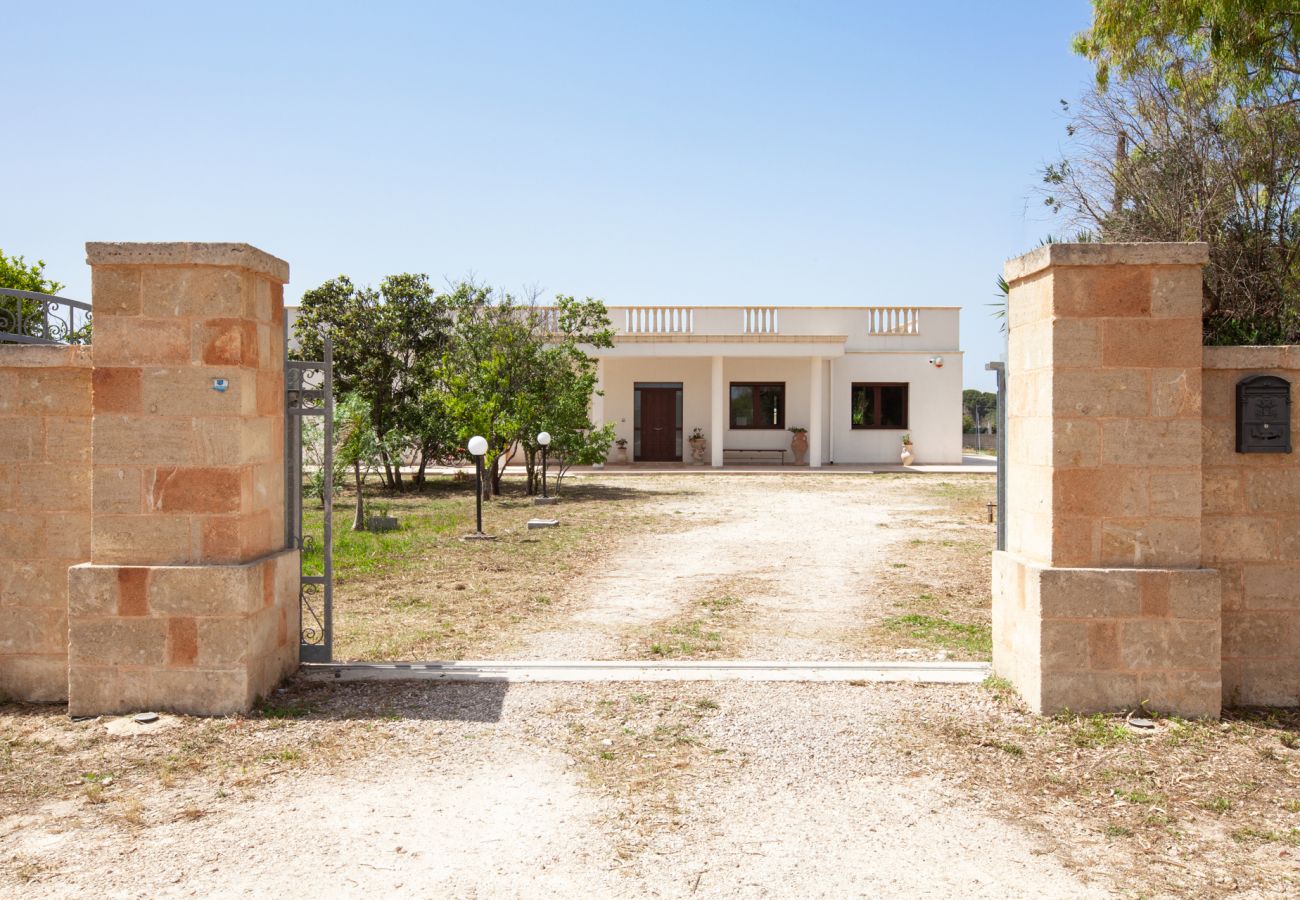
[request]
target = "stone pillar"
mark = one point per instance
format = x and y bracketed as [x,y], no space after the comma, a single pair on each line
[718,413]
[189,601]
[815,403]
[1099,601]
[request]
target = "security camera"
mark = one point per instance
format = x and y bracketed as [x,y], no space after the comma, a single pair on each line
[936,361]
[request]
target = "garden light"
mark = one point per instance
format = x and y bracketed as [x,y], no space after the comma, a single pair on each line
[477,448]
[544,439]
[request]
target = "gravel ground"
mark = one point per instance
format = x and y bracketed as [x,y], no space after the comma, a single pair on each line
[813,565]
[750,790]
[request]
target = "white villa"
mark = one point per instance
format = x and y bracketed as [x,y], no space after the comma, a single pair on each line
[857,378]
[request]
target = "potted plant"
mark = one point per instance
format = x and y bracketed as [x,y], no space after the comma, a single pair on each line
[697,447]
[620,455]
[907,455]
[799,444]
[380,520]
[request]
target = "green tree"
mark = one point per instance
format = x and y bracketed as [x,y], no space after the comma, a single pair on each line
[386,346]
[1194,135]
[356,447]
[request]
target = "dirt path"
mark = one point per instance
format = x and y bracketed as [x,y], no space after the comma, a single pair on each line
[799,563]
[550,790]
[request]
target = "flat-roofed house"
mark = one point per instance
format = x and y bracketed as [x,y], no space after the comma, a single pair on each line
[858,378]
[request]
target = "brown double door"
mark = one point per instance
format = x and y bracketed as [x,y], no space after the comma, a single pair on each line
[659,424]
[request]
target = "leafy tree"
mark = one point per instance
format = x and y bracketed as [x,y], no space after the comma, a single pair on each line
[356,447]
[981,406]
[1194,135]
[386,346]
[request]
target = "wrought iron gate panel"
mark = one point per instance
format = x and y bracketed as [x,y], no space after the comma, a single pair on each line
[308,392]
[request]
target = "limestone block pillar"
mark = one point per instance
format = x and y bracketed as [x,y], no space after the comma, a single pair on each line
[718,413]
[189,601]
[1100,601]
[815,404]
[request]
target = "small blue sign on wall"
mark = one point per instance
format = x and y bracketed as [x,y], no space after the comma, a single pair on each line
[220,384]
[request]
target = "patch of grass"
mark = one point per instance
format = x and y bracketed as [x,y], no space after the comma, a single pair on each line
[1113,831]
[271,710]
[1249,834]
[1141,798]
[1096,730]
[1216,804]
[945,633]
[1002,690]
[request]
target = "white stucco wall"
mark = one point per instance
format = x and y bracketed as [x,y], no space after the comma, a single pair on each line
[934,399]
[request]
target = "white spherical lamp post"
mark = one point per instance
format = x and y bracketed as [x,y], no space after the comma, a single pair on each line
[544,440]
[477,448]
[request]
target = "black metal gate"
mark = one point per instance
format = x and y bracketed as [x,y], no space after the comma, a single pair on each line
[309,470]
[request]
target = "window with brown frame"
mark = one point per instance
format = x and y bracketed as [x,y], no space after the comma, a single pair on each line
[757,405]
[882,405]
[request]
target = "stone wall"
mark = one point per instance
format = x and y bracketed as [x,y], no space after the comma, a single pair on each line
[1250,530]
[1100,601]
[45,508]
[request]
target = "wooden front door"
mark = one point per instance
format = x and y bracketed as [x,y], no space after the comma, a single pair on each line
[659,424]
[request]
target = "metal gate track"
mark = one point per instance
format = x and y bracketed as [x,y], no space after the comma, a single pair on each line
[584,670]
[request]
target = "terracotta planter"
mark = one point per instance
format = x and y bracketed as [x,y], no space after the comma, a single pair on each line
[907,456]
[799,447]
[620,456]
[697,451]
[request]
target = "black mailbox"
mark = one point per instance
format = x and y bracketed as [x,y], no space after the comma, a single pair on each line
[1263,415]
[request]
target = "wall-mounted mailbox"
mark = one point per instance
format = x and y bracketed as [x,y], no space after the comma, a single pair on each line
[1264,415]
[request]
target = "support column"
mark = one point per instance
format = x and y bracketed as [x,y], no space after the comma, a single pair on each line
[598,397]
[1099,600]
[190,601]
[718,413]
[815,401]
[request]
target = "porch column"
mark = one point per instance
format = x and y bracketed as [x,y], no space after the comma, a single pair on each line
[815,413]
[718,410]
[598,397]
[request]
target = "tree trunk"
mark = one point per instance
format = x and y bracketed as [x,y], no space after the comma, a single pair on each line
[418,478]
[359,517]
[530,466]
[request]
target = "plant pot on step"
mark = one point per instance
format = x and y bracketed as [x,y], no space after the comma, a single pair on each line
[907,455]
[799,445]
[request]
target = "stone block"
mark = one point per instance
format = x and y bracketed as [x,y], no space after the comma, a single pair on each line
[202,692]
[33,582]
[1101,491]
[35,679]
[1261,682]
[270,393]
[261,439]
[1076,541]
[21,438]
[132,591]
[52,487]
[135,341]
[116,291]
[1088,594]
[1103,646]
[1154,593]
[195,490]
[1075,442]
[1150,543]
[1106,393]
[1175,495]
[1239,539]
[1087,692]
[198,292]
[182,641]
[1102,291]
[1191,695]
[92,590]
[117,390]
[34,629]
[204,590]
[226,642]
[1219,395]
[22,534]
[58,391]
[118,490]
[117,642]
[1176,292]
[1273,491]
[1176,392]
[1065,645]
[1252,634]
[1169,645]
[191,391]
[95,690]
[1152,343]
[1272,585]
[1152,443]
[67,439]
[153,540]
[225,342]
[67,537]
[1221,490]
[145,440]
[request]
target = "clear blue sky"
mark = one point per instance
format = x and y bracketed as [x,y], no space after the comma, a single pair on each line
[693,153]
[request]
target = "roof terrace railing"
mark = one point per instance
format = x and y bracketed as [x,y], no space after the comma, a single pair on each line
[30,317]
[759,320]
[893,320]
[658,320]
